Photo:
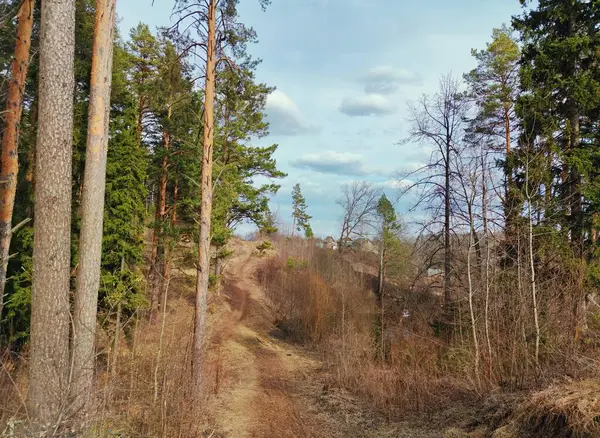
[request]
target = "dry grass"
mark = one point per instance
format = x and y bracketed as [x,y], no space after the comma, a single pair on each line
[320,300]
[570,409]
[149,396]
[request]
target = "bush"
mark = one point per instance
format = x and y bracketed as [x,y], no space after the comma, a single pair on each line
[264,247]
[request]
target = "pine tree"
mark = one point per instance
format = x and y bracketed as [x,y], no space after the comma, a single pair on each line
[299,214]
[49,349]
[388,239]
[92,211]
[388,231]
[237,198]
[145,52]
[124,212]
[10,136]
[217,31]
[494,85]
[170,101]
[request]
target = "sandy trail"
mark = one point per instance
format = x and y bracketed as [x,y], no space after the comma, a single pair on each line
[268,388]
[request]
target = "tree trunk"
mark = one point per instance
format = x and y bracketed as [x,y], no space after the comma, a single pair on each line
[206,205]
[49,338]
[167,246]
[381,273]
[158,245]
[532,268]
[116,341]
[447,255]
[158,239]
[510,209]
[92,211]
[175,200]
[471,308]
[10,139]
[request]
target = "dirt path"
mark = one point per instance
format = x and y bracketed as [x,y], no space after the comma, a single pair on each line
[269,388]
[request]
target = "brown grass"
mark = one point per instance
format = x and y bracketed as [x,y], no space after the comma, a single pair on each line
[319,299]
[570,409]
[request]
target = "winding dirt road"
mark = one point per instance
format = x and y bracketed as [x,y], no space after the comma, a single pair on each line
[268,388]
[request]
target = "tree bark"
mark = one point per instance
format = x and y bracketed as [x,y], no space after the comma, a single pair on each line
[158,239]
[380,293]
[471,307]
[92,211]
[447,255]
[203,268]
[10,139]
[116,341]
[49,338]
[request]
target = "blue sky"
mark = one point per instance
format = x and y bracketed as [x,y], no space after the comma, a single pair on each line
[344,72]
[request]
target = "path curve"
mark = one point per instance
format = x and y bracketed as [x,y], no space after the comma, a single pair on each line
[269,388]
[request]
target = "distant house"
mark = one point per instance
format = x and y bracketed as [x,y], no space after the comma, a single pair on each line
[330,243]
[365,245]
[347,242]
[319,243]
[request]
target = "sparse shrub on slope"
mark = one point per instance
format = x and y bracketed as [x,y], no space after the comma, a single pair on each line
[323,302]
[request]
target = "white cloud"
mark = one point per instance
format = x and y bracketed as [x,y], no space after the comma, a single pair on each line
[284,116]
[339,163]
[385,80]
[367,105]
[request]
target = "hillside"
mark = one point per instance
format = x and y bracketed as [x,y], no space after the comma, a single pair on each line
[268,387]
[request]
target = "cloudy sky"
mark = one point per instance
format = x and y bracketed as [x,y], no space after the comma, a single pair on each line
[344,72]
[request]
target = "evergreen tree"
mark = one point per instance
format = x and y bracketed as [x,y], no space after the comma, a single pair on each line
[124,212]
[388,240]
[145,53]
[388,235]
[169,102]
[561,83]
[494,86]
[240,116]
[299,214]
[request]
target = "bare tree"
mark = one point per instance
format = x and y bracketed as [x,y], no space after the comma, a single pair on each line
[469,173]
[92,210]
[532,269]
[359,203]
[49,345]
[10,136]
[438,121]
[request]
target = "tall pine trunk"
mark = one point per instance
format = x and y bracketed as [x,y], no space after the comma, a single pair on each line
[169,245]
[49,338]
[92,211]
[510,208]
[206,205]
[10,138]
[157,258]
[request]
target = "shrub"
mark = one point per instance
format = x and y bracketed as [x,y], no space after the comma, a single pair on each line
[264,247]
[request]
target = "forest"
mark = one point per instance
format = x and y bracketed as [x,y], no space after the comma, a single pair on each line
[131,305]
